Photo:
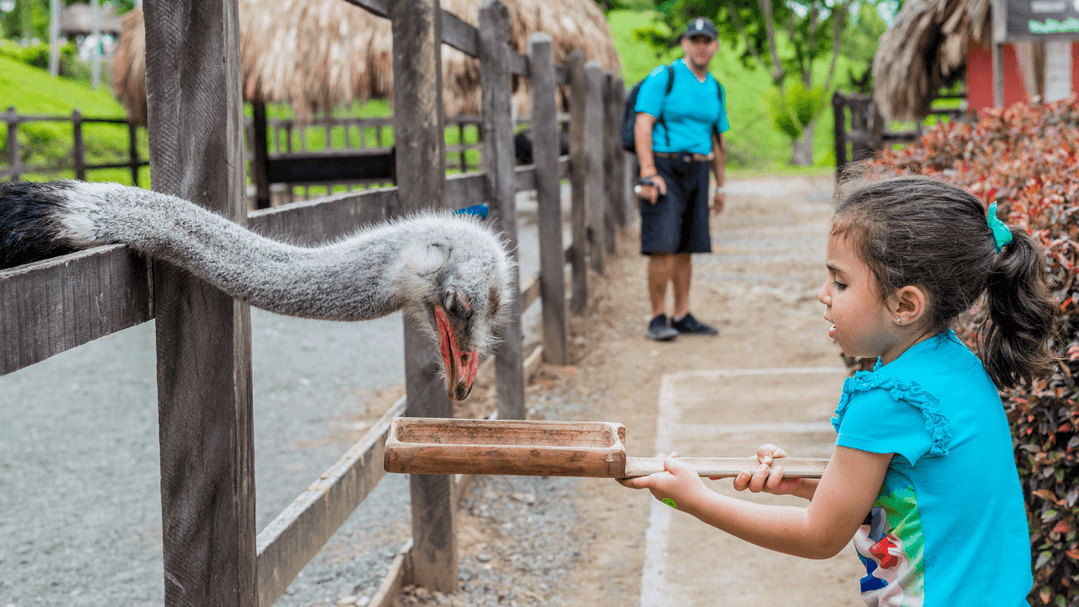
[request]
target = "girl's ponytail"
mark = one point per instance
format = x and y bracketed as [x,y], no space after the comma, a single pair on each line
[1014,344]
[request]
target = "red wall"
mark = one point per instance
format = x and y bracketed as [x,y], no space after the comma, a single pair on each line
[980,75]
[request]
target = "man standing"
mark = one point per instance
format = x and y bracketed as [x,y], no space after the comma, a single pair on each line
[678,133]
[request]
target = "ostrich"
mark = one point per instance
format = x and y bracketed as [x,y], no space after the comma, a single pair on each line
[448,272]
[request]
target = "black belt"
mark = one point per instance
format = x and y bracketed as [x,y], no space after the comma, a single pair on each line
[685,156]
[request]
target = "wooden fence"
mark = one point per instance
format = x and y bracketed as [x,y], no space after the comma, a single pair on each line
[16,169]
[861,131]
[365,159]
[212,552]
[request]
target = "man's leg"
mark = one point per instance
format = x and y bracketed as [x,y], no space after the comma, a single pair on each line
[660,273]
[681,274]
[660,267]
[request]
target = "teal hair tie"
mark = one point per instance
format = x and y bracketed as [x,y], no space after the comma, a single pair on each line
[1001,234]
[479,210]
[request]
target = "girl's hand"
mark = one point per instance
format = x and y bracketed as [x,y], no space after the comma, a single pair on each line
[768,477]
[679,483]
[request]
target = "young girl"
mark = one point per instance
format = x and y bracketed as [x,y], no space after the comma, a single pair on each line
[923,476]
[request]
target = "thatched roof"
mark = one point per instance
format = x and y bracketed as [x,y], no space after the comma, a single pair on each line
[78,20]
[319,54]
[923,50]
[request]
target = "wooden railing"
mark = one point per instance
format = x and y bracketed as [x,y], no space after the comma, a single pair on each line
[212,552]
[861,131]
[78,161]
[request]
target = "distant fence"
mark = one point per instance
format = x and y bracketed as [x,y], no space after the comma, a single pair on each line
[861,130]
[366,157]
[77,159]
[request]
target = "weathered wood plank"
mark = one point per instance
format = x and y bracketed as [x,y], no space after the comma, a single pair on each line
[530,291]
[496,83]
[579,161]
[57,304]
[421,171]
[524,178]
[545,149]
[326,218]
[259,155]
[465,190]
[613,163]
[203,336]
[459,34]
[597,199]
[288,543]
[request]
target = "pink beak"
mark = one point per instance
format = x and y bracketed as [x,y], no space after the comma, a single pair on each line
[461,367]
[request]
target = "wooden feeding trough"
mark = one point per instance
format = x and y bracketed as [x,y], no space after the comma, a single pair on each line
[418,445]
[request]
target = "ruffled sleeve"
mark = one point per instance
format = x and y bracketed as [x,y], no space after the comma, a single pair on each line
[882,414]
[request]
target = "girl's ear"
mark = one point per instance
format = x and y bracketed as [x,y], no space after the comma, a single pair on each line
[908,305]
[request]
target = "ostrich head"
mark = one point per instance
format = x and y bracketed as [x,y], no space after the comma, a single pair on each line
[459,293]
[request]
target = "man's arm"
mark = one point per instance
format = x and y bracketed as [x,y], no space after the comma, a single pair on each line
[719,167]
[642,139]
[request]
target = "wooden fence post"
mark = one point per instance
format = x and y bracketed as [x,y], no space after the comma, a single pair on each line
[578,151]
[13,142]
[133,151]
[418,124]
[619,199]
[260,155]
[597,199]
[496,81]
[545,151]
[78,148]
[615,210]
[203,335]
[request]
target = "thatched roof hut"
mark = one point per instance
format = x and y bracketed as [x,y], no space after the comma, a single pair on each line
[320,54]
[925,49]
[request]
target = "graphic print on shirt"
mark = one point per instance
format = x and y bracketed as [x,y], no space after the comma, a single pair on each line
[890,546]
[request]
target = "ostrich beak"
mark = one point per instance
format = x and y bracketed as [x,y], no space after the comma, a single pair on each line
[461,366]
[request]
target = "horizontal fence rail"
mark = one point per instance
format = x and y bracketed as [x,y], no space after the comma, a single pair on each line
[78,161]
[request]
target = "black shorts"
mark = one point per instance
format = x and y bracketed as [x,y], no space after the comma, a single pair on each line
[678,222]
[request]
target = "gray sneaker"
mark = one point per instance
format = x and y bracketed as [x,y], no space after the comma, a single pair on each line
[659,330]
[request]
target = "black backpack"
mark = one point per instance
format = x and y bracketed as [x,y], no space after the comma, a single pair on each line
[629,116]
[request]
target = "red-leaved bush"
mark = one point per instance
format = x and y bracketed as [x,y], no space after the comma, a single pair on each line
[1025,159]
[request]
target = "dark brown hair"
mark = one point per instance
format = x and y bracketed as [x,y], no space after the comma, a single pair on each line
[925,232]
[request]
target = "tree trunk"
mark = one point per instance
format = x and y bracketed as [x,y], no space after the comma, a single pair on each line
[803,147]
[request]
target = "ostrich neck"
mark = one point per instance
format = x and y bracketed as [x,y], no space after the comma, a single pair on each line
[353,279]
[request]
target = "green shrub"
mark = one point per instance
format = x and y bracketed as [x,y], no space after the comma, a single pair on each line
[37,55]
[1025,159]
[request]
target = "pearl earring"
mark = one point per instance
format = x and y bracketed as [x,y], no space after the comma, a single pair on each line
[898,322]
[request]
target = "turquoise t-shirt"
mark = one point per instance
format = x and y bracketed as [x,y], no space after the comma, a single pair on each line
[688,113]
[949,527]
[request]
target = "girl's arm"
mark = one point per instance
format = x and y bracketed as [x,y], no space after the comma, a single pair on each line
[843,497]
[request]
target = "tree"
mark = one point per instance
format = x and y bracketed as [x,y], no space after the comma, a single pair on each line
[785,37]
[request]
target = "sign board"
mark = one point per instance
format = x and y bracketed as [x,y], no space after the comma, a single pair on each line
[1029,20]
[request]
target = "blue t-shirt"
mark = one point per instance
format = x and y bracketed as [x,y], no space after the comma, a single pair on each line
[688,113]
[949,527]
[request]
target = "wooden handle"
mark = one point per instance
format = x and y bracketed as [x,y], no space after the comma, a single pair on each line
[727,467]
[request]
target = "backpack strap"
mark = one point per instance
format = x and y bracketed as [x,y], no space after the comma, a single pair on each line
[722,107]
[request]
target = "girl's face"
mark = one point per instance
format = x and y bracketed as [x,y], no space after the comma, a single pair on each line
[862,323]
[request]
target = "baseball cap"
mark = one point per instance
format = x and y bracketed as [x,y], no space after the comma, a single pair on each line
[700,26]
